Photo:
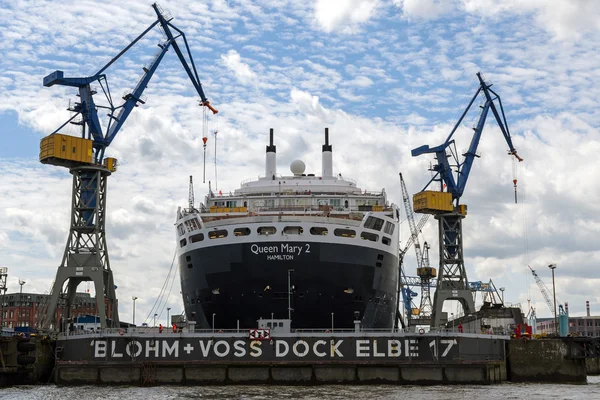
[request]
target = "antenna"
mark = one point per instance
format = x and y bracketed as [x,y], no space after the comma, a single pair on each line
[216,181]
[191,194]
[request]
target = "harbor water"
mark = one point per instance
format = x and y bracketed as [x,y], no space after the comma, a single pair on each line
[505,391]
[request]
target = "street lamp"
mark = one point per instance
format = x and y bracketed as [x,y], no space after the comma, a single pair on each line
[553,267]
[155,319]
[502,290]
[134,298]
[474,315]
[168,320]
[290,294]
[213,322]
[331,322]
[21,282]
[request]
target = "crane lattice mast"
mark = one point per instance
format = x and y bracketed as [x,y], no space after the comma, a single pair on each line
[543,289]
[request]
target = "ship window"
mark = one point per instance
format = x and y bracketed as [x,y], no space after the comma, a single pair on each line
[188,258]
[335,202]
[369,236]
[192,224]
[293,230]
[378,265]
[389,228]
[197,237]
[374,223]
[344,232]
[182,242]
[181,229]
[266,230]
[386,240]
[190,266]
[241,231]
[217,234]
[380,257]
[317,230]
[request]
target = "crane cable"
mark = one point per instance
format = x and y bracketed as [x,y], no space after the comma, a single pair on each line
[160,297]
[204,140]
[215,133]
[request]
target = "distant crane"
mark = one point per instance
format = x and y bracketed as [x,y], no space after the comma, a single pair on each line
[544,290]
[86,257]
[444,204]
[424,271]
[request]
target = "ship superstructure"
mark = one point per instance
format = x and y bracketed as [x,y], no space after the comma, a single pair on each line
[317,249]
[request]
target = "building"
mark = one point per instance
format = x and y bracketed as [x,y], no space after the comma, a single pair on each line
[588,326]
[25,309]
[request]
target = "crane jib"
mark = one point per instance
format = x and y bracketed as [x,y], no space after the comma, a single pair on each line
[85,108]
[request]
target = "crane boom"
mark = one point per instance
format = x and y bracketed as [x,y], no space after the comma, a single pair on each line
[444,170]
[118,114]
[543,289]
[414,232]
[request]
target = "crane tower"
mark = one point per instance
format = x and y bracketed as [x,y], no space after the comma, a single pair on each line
[444,204]
[86,255]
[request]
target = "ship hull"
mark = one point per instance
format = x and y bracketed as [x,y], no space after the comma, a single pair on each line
[236,284]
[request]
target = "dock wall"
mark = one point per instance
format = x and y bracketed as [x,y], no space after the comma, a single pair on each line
[288,359]
[158,373]
[548,360]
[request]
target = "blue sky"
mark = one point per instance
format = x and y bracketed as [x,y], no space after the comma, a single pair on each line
[384,76]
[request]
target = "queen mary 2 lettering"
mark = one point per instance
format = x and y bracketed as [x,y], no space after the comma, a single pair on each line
[313,245]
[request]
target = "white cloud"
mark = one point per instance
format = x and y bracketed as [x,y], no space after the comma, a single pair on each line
[343,15]
[425,9]
[242,71]
[565,19]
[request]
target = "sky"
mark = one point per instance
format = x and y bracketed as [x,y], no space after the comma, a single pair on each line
[384,76]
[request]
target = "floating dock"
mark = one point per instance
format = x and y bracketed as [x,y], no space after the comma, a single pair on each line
[139,358]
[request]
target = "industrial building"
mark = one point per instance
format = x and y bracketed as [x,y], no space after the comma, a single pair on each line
[23,309]
[588,325]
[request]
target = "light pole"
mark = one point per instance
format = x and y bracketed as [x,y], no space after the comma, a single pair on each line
[134,298]
[553,267]
[331,322]
[21,282]
[155,319]
[213,322]
[168,320]
[452,316]
[474,315]
[290,294]
[502,291]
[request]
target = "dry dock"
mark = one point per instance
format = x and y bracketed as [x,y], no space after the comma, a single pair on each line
[292,358]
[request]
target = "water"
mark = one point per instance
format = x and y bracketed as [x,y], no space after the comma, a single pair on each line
[506,391]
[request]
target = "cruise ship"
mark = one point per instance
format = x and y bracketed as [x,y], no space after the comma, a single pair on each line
[315,249]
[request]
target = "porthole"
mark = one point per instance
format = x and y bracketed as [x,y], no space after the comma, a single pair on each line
[241,231]
[349,233]
[197,237]
[217,234]
[266,230]
[369,236]
[386,240]
[293,230]
[317,230]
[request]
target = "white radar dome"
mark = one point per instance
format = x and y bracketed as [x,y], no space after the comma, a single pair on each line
[297,167]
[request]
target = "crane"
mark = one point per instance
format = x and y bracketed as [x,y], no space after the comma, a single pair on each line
[445,203]
[86,257]
[544,290]
[424,271]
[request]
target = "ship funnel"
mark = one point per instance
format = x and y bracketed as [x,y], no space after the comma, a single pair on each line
[271,161]
[327,164]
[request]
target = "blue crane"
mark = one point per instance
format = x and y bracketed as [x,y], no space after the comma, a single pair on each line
[443,168]
[86,256]
[88,109]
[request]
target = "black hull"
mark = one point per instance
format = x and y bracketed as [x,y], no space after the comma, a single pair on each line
[238,282]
